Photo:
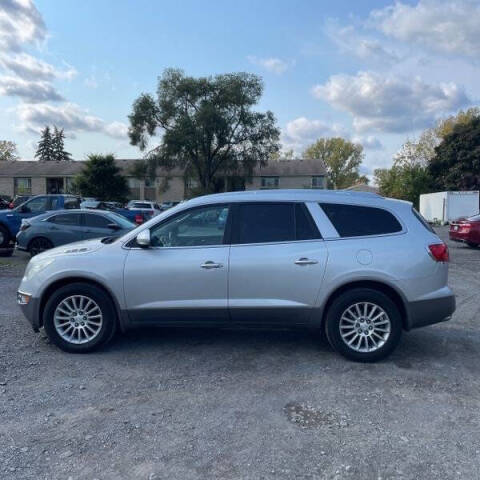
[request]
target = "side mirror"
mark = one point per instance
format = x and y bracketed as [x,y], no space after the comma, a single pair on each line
[143,238]
[113,226]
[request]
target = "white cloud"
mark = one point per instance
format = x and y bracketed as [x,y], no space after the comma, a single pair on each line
[390,104]
[301,132]
[31,68]
[91,82]
[68,116]
[350,42]
[28,91]
[450,27]
[274,65]
[20,23]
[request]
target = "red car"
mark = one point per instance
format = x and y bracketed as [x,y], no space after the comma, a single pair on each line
[466,230]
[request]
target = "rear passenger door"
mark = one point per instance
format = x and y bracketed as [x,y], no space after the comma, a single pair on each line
[277,262]
[65,228]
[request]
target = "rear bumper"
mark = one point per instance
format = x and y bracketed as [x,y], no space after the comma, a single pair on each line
[434,310]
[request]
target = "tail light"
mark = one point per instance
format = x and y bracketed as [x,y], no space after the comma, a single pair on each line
[465,227]
[138,218]
[439,252]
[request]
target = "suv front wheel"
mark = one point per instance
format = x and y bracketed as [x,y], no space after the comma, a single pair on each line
[364,325]
[79,318]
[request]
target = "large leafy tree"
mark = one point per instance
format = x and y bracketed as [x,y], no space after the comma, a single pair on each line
[207,126]
[44,147]
[342,160]
[8,151]
[102,179]
[456,163]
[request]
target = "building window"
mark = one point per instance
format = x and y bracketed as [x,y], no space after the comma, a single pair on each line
[69,185]
[192,183]
[270,182]
[317,181]
[133,182]
[22,186]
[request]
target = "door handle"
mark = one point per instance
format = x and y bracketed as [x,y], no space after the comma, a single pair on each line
[209,264]
[305,261]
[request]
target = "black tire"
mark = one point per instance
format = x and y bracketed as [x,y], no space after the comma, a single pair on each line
[38,245]
[472,245]
[370,296]
[4,237]
[108,324]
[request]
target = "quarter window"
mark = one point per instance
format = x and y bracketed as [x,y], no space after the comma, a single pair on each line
[358,221]
[197,227]
[305,228]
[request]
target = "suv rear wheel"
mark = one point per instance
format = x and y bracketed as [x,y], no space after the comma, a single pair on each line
[79,318]
[364,325]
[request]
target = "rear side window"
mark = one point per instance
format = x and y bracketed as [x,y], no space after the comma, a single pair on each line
[66,219]
[359,221]
[264,222]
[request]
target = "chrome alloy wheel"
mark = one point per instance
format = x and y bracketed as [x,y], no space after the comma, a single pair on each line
[365,327]
[78,319]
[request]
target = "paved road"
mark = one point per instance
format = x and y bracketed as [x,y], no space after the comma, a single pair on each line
[168,404]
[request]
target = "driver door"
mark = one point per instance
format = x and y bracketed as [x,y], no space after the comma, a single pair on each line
[182,277]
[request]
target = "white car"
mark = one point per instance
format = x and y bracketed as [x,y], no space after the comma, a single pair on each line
[144,205]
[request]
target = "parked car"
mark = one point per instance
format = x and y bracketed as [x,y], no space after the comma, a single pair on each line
[53,229]
[137,216]
[356,265]
[144,205]
[10,220]
[466,230]
[18,200]
[166,205]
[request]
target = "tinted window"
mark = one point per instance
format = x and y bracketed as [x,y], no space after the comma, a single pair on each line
[305,228]
[141,205]
[66,219]
[96,221]
[196,227]
[264,222]
[357,221]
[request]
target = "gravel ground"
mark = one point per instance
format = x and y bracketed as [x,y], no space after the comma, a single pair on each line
[189,404]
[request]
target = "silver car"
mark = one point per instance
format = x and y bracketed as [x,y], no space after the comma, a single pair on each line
[358,266]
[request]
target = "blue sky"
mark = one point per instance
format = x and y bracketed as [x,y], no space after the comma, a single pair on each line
[376,72]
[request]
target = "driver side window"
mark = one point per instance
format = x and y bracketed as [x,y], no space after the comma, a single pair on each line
[197,227]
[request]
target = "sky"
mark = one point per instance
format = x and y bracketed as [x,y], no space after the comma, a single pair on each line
[375,72]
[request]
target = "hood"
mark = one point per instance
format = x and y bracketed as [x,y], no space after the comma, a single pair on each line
[77,248]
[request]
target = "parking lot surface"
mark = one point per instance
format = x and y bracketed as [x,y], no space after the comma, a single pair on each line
[190,404]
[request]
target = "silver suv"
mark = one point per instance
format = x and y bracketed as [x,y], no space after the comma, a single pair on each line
[358,266]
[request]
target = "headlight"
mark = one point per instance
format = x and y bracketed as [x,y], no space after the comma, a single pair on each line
[35,267]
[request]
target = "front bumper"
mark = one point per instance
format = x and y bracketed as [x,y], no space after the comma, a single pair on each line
[427,312]
[31,311]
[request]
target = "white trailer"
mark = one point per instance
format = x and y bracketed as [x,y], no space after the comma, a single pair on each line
[445,207]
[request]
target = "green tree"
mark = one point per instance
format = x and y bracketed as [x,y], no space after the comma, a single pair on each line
[342,160]
[207,126]
[8,151]
[58,149]
[102,179]
[45,146]
[456,163]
